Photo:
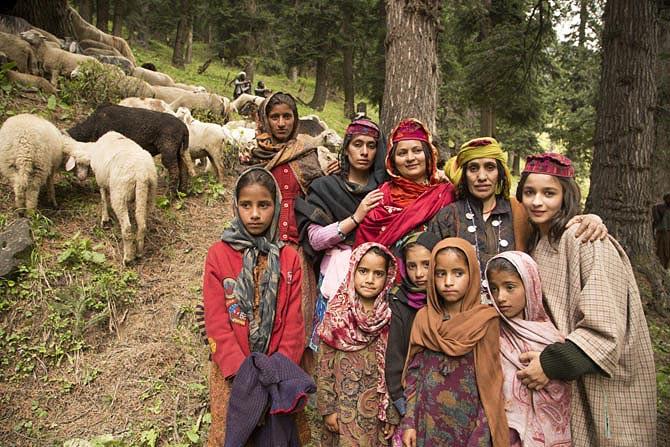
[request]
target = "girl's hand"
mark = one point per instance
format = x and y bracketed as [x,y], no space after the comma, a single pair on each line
[389,430]
[409,438]
[331,423]
[591,227]
[533,375]
[369,202]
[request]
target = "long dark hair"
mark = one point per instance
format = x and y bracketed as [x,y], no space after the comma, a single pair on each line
[427,151]
[569,209]
[503,181]
[379,252]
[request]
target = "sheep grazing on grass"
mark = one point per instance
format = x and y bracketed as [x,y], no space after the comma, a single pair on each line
[205,140]
[157,105]
[20,52]
[208,102]
[153,77]
[168,94]
[158,133]
[125,173]
[54,60]
[31,151]
[328,138]
[245,98]
[31,81]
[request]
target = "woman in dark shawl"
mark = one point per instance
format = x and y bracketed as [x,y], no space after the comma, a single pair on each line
[334,206]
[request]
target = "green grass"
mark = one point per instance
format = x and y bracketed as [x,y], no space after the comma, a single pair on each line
[217,77]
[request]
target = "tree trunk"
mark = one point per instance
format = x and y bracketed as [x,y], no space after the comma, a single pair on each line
[348,60]
[583,19]
[620,190]
[50,15]
[251,47]
[182,34]
[102,15]
[411,79]
[318,102]
[86,10]
[293,73]
[660,180]
[119,15]
[487,123]
[189,43]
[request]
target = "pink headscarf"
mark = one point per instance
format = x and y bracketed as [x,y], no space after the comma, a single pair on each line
[347,327]
[541,418]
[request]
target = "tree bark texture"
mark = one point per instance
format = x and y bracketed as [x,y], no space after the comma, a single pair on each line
[320,97]
[182,34]
[119,15]
[50,15]
[86,10]
[412,72]
[348,60]
[620,191]
[293,73]
[102,15]
[660,180]
[189,44]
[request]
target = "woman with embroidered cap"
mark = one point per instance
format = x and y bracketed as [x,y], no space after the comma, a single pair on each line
[334,206]
[414,194]
[485,215]
[591,295]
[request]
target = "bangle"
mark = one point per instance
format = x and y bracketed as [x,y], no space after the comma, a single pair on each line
[354,219]
[340,233]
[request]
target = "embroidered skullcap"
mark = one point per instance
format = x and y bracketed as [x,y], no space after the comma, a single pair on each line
[485,147]
[409,129]
[363,127]
[550,163]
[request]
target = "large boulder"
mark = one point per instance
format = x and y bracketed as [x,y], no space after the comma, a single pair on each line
[16,245]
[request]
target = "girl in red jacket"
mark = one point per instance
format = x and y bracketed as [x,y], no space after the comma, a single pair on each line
[251,291]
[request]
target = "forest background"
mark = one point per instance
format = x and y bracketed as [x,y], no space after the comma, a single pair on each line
[83,364]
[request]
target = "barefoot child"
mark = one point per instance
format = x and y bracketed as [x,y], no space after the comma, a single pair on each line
[405,299]
[251,291]
[351,390]
[536,418]
[453,374]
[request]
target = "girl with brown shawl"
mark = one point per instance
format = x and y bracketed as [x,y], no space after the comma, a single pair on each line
[453,373]
[591,295]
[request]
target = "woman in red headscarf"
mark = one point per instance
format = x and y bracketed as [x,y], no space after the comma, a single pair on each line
[415,192]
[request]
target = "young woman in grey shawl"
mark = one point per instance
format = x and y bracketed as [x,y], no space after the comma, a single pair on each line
[251,291]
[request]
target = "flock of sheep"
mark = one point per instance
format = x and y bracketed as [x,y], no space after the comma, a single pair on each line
[117,142]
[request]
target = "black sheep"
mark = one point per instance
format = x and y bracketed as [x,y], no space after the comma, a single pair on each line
[157,132]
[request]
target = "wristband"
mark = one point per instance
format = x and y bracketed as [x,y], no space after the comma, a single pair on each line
[355,221]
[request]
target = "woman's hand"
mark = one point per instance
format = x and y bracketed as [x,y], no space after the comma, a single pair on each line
[389,430]
[331,423]
[533,375]
[591,227]
[370,201]
[333,167]
[409,438]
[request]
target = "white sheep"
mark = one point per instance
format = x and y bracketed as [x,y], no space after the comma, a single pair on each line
[153,77]
[125,173]
[242,139]
[328,138]
[204,140]
[245,98]
[191,88]
[19,51]
[212,102]
[168,94]
[241,123]
[54,60]
[157,105]
[31,151]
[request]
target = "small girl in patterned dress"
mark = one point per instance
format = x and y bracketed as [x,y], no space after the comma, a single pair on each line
[453,377]
[351,389]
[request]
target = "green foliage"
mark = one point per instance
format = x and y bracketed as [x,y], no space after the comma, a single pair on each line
[208,185]
[96,84]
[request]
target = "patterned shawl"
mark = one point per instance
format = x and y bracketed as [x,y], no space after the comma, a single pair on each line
[347,327]
[542,418]
[239,238]
[270,153]
[476,328]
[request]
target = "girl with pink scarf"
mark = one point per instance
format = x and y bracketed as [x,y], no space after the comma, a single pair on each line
[535,418]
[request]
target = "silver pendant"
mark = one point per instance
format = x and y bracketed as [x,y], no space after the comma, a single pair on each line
[469,216]
[472,228]
[504,243]
[496,223]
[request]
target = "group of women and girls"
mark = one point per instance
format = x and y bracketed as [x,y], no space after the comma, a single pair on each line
[428,312]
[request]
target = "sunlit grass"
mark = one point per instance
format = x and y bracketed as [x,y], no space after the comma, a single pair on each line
[217,79]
